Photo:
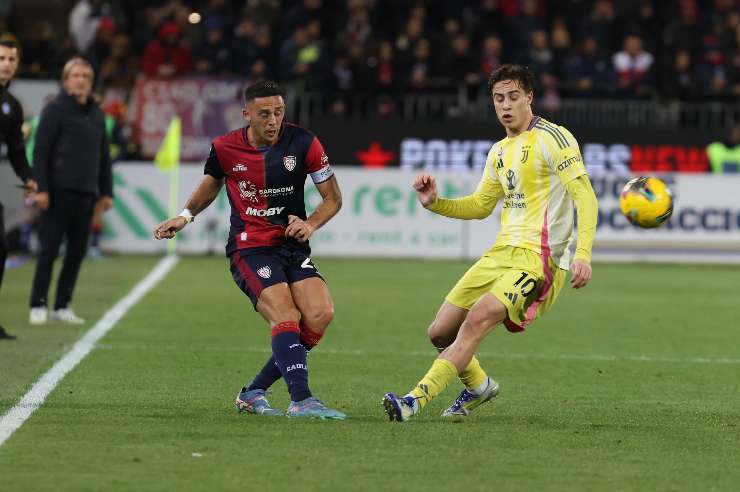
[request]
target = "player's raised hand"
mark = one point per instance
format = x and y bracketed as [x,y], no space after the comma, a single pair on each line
[299,229]
[168,228]
[580,273]
[426,189]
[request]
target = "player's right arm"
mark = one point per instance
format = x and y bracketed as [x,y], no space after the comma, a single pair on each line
[477,205]
[204,194]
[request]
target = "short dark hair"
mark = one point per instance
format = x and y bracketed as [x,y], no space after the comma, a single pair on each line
[265,88]
[519,73]
[10,41]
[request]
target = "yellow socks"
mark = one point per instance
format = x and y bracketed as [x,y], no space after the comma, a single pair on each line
[442,373]
[473,376]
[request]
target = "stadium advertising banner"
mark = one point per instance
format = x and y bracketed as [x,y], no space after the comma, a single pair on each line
[381,217]
[458,145]
[207,106]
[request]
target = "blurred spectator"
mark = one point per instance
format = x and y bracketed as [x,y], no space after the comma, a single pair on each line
[589,71]
[540,57]
[684,33]
[102,44]
[679,82]
[405,41]
[303,56]
[713,71]
[488,19]
[561,47]
[646,25]
[358,28]
[524,24]
[211,56]
[166,56]
[305,11]
[83,23]
[120,68]
[633,67]
[724,156]
[85,17]
[459,63]
[384,73]
[601,24]
[491,57]
[43,56]
[420,68]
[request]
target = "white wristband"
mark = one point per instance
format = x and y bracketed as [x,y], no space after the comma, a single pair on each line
[187,215]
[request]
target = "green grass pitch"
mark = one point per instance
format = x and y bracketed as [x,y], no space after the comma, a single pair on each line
[630,384]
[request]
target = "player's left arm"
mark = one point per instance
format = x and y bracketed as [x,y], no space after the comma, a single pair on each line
[317,166]
[587,210]
[570,168]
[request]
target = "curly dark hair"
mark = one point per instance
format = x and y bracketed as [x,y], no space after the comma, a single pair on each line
[519,73]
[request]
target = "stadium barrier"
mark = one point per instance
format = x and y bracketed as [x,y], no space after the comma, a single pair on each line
[381,217]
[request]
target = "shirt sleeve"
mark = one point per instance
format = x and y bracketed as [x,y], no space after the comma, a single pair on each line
[564,154]
[478,205]
[17,148]
[46,135]
[213,167]
[317,162]
[587,212]
[105,184]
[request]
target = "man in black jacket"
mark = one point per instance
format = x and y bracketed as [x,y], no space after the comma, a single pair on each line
[11,119]
[71,164]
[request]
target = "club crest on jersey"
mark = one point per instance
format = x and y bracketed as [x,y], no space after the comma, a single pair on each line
[289,162]
[239,168]
[264,272]
[510,179]
[248,191]
[525,153]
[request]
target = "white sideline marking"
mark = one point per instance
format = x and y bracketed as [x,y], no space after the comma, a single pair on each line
[16,416]
[432,353]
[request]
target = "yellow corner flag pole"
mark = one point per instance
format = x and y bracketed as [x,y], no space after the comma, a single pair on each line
[167,160]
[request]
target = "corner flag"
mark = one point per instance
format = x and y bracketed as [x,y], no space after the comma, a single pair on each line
[168,155]
[167,160]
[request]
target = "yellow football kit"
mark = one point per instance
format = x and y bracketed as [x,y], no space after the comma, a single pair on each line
[541,178]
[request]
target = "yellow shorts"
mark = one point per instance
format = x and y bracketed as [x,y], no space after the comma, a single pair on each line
[518,278]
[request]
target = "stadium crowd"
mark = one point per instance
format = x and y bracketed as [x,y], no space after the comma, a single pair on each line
[672,49]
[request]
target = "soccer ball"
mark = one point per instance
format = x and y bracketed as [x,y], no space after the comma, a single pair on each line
[646,202]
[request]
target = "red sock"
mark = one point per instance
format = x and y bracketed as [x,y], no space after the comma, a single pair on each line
[309,338]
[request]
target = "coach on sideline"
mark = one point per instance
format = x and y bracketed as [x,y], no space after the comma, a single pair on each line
[11,119]
[72,166]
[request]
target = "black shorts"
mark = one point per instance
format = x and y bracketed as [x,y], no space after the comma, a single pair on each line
[256,269]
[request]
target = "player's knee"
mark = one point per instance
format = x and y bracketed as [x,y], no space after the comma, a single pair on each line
[318,319]
[481,321]
[437,335]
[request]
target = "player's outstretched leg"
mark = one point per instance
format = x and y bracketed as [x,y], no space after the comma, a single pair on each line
[481,319]
[479,388]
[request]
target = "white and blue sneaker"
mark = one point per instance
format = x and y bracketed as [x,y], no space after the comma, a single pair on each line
[399,409]
[469,401]
[313,408]
[255,402]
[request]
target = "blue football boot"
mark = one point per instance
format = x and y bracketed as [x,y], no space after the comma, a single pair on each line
[399,409]
[313,408]
[255,402]
[469,401]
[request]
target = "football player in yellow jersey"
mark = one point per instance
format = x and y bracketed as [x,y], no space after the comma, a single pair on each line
[539,175]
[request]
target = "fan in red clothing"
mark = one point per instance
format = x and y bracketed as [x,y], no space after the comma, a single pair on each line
[264,166]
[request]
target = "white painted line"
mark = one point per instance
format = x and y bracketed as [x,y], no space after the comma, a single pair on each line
[432,353]
[16,416]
